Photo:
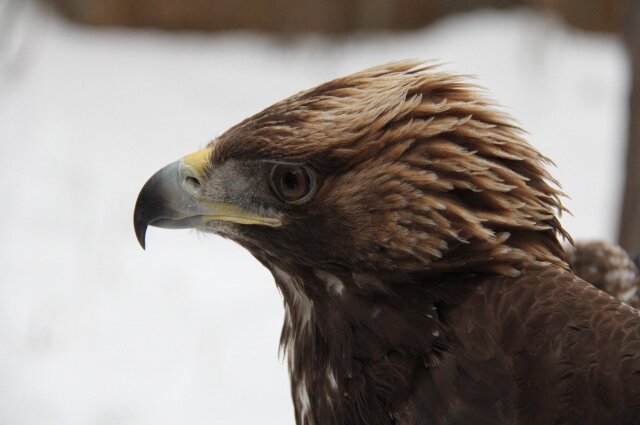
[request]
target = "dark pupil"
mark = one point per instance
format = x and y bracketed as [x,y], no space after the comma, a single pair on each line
[290,180]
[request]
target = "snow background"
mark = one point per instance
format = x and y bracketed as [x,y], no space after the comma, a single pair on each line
[94,330]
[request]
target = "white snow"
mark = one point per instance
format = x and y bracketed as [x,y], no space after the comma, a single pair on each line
[94,330]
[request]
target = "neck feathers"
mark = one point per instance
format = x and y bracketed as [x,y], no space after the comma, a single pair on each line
[352,345]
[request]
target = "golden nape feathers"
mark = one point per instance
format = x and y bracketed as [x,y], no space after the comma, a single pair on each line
[414,235]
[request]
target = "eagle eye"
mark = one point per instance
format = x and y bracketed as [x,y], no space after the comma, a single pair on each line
[292,183]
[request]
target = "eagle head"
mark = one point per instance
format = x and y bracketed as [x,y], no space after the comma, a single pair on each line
[395,170]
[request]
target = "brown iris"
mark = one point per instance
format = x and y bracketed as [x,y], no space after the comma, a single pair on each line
[292,183]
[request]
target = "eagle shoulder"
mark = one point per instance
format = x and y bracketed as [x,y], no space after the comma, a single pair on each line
[570,352]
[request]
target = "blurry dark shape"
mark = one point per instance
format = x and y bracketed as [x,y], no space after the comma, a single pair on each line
[331,16]
[636,259]
[608,267]
[629,229]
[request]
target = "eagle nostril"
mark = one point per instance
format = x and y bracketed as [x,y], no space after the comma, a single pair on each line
[192,183]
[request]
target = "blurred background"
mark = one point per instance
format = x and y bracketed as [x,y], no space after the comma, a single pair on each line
[96,95]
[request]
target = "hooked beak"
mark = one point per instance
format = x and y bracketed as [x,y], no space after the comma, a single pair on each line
[172,199]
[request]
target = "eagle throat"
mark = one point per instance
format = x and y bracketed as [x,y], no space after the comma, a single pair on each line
[353,345]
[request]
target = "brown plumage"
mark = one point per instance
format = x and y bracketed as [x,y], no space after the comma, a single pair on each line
[608,267]
[413,233]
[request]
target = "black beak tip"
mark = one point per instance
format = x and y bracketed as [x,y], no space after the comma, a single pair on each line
[140,222]
[141,231]
[154,200]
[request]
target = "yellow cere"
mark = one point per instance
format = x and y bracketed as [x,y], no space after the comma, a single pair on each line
[196,161]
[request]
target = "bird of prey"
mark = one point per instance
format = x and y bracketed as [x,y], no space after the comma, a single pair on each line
[415,237]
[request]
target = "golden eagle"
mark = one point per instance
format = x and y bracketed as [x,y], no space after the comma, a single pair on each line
[414,235]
